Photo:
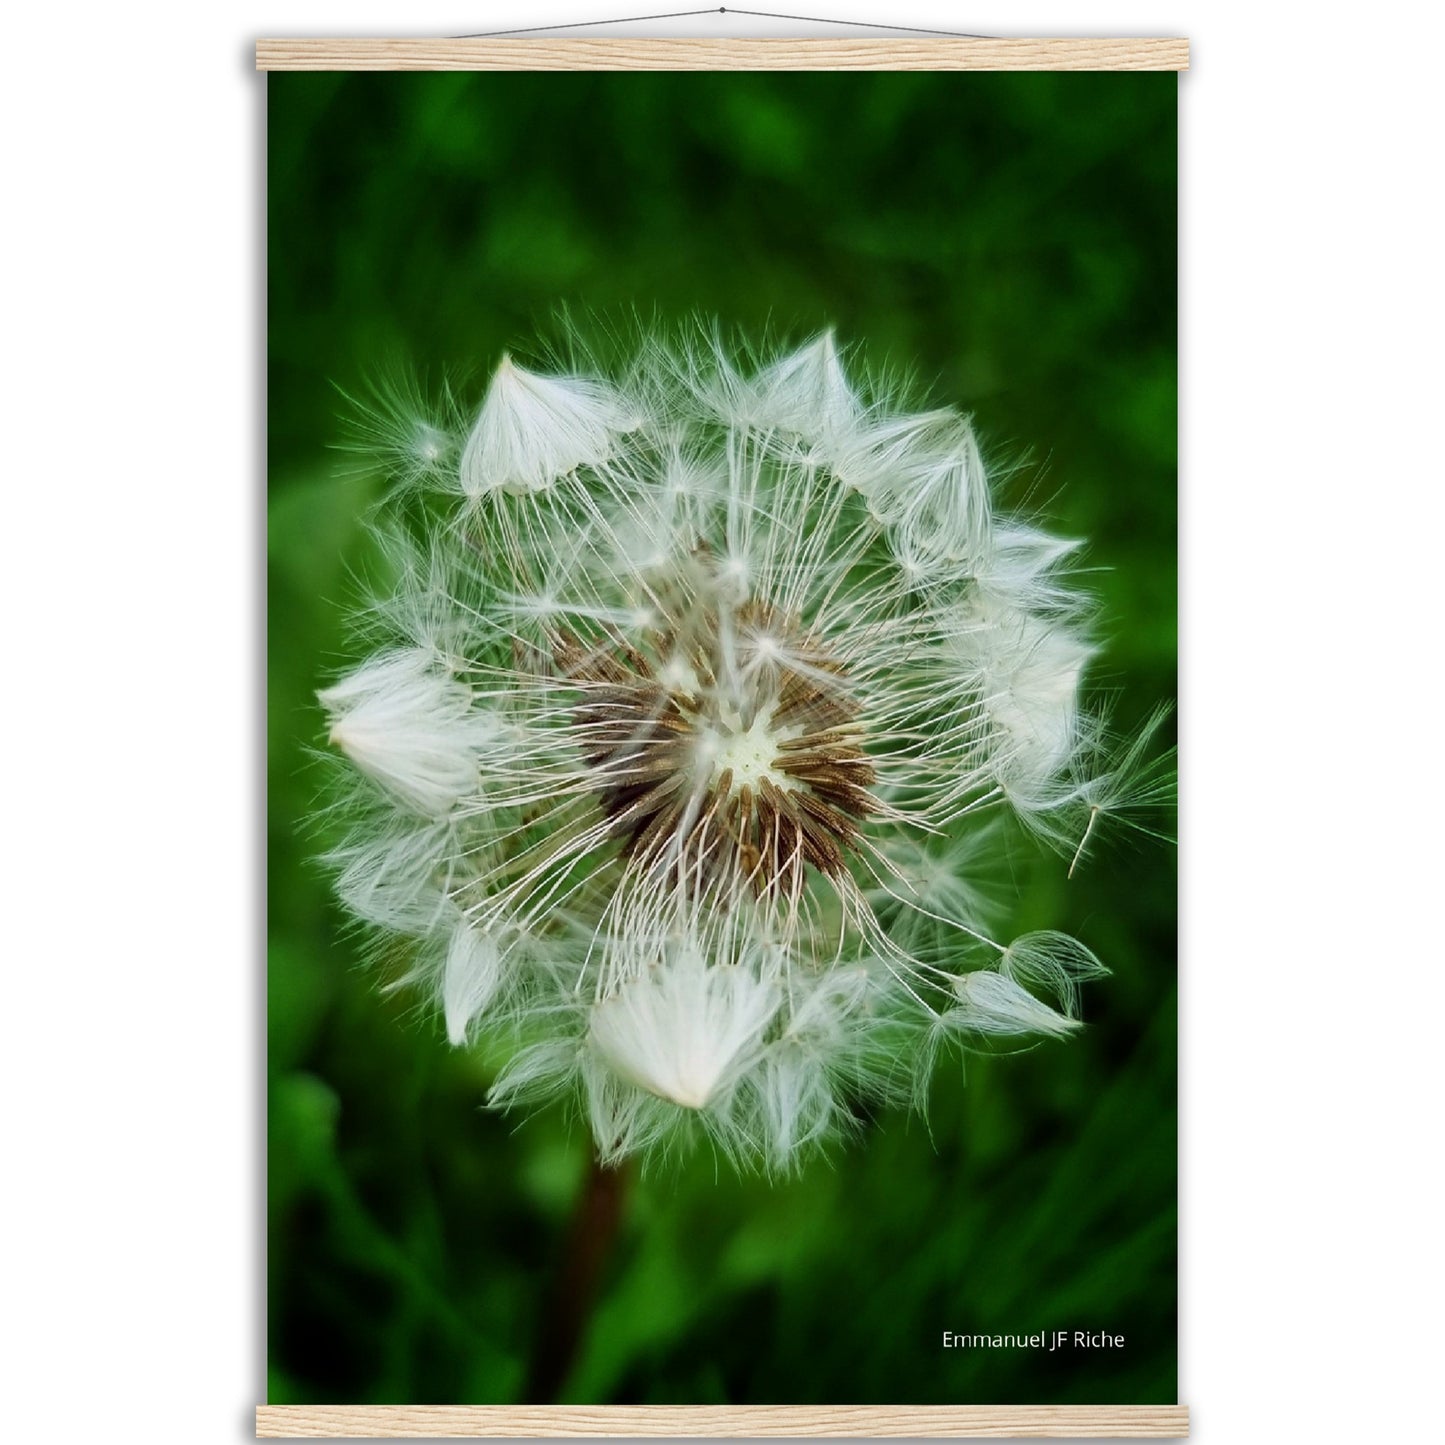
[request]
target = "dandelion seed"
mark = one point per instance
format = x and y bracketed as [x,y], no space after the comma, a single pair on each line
[404,723]
[806,395]
[994,1005]
[470,979]
[682,742]
[685,1029]
[534,429]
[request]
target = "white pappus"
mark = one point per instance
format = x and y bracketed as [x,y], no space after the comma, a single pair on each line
[697,698]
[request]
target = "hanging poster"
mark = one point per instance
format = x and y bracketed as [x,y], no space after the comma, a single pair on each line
[722,556]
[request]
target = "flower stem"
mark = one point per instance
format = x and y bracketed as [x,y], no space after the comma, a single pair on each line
[589,1241]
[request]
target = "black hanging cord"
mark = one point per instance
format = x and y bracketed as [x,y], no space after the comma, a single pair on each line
[720,10]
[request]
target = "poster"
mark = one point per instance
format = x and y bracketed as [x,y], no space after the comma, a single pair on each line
[721,635]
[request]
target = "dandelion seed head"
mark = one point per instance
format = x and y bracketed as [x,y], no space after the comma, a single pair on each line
[681,736]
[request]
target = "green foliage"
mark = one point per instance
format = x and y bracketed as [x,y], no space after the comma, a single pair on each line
[1012,239]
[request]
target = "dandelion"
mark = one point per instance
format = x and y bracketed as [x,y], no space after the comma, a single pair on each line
[687,726]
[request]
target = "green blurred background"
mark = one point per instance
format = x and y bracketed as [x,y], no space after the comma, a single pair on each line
[1012,238]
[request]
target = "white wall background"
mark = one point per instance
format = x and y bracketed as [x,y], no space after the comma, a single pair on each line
[131,590]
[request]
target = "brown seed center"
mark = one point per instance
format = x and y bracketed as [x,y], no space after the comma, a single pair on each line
[731,755]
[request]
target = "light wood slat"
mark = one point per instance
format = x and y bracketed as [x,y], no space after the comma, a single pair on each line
[1059,1422]
[712,54]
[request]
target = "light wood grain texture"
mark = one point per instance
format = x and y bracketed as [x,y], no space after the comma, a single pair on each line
[1056,1422]
[639,54]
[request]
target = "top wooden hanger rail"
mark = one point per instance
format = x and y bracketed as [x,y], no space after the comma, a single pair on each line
[532,53]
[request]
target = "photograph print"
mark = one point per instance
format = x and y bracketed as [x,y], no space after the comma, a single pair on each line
[721,653]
